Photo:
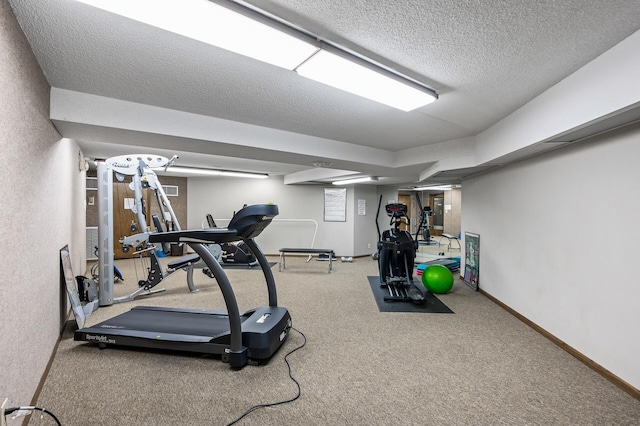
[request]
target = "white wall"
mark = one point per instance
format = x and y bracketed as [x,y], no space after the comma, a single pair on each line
[222,196]
[604,86]
[41,211]
[365,235]
[558,238]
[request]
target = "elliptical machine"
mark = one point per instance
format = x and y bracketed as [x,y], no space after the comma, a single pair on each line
[424,225]
[396,257]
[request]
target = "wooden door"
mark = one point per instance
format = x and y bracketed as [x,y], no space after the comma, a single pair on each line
[125,221]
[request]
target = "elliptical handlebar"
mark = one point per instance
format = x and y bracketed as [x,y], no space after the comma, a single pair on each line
[422,216]
[396,221]
[377,214]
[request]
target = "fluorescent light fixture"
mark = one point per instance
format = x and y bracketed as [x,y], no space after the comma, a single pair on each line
[355,180]
[345,74]
[433,188]
[213,172]
[251,32]
[219,26]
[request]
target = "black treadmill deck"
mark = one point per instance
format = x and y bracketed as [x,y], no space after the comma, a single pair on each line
[192,330]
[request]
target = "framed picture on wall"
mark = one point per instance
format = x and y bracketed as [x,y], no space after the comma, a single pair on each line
[335,204]
[471,260]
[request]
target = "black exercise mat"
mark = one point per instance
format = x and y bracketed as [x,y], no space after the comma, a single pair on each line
[244,266]
[431,304]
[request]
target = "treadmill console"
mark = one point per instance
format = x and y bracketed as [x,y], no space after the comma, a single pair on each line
[251,220]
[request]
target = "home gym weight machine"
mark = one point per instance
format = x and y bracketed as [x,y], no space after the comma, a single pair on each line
[139,167]
[239,338]
[396,256]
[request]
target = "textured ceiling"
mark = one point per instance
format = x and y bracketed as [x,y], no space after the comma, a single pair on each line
[484,58]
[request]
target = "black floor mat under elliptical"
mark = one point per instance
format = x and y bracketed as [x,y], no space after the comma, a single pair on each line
[431,303]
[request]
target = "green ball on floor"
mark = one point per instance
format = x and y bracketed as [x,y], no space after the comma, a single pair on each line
[437,279]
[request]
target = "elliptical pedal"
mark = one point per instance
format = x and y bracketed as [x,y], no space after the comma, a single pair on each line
[415,295]
[402,290]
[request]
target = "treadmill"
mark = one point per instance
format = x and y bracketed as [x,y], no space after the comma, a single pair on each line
[240,338]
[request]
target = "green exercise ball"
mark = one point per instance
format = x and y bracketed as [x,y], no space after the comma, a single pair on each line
[437,279]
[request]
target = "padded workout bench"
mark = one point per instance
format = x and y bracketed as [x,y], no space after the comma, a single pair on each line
[451,238]
[309,251]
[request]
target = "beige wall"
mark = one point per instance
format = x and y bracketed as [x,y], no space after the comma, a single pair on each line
[42,210]
[452,217]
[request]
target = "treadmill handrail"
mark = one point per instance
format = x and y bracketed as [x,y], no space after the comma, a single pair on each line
[235,323]
[266,270]
[203,236]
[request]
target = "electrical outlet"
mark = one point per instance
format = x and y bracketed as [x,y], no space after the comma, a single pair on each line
[3,420]
[369,245]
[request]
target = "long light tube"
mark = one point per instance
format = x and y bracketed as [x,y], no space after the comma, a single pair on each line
[216,25]
[433,188]
[334,70]
[276,42]
[213,172]
[355,180]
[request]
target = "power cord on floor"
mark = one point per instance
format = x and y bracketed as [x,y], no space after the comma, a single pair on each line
[272,404]
[22,412]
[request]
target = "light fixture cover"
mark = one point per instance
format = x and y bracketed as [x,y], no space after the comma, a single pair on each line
[214,172]
[433,188]
[210,23]
[274,42]
[355,180]
[334,70]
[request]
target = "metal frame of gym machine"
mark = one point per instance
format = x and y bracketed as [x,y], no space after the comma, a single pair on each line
[132,165]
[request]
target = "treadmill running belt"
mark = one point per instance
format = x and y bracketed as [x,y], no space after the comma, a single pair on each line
[167,321]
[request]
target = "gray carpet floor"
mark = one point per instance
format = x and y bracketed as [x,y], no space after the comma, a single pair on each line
[479,366]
